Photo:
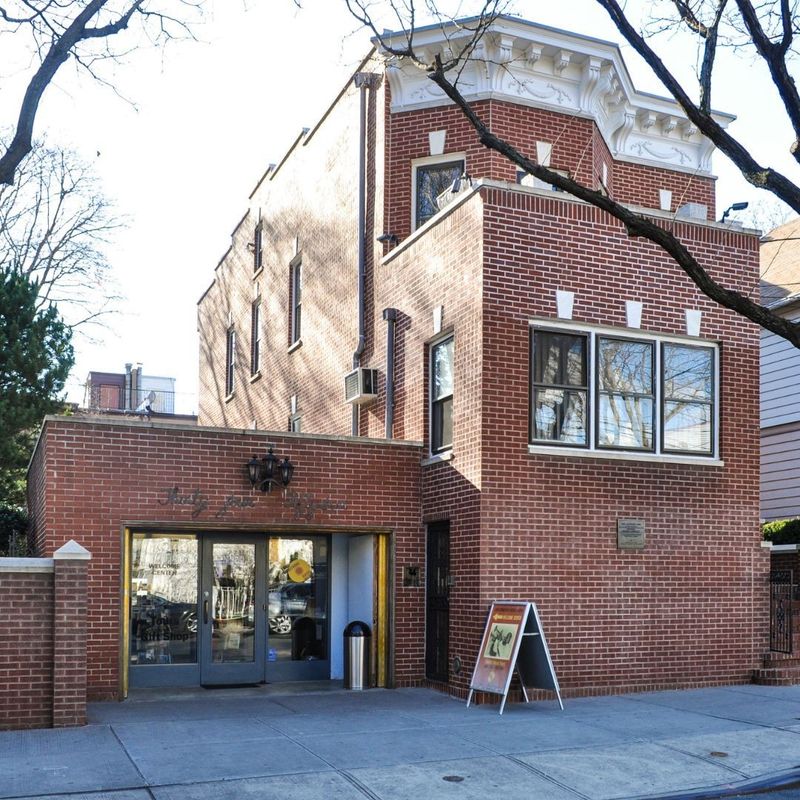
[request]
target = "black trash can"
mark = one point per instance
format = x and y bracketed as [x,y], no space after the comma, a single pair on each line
[357,646]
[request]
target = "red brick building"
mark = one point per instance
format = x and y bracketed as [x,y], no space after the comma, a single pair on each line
[526,385]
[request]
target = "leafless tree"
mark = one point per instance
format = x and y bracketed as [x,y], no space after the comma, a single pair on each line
[765,30]
[89,32]
[55,224]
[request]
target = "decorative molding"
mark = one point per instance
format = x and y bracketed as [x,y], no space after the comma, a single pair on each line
[528,64]
[633,313]
[693,320]
[564,303]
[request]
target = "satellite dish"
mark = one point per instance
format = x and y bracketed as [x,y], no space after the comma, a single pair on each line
[146,406]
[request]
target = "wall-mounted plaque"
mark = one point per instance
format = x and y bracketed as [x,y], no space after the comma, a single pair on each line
[630,534]
[411,575]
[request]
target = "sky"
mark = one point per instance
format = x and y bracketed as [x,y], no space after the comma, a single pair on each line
[202,121]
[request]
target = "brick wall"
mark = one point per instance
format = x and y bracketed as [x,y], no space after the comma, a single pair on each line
[690,609]
[42,642]
[307,206]
[113,474]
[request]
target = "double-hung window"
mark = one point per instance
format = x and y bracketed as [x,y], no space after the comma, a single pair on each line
[296,293]
[560,388]
[258,250]
[430,180]
[603,391]
[442,396]
[625,394]
[688,399]
[230,361]
[255,337]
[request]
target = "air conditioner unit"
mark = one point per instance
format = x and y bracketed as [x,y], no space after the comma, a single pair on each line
[361,386]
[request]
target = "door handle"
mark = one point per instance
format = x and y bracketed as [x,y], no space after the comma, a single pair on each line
[205,612]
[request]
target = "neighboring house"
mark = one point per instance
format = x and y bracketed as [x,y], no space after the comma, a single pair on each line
[475,387]
[780,377]
[131,391]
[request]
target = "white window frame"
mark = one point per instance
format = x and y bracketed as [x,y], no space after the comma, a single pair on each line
[429,161]
[591,450]
[444,452]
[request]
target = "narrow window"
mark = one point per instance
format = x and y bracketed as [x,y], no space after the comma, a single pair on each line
[296,299]
[230,360]
[688,398]
[258,252]
[560,388]
[430,181]
[442,396]
[255,337]
[625,394]
[295,423]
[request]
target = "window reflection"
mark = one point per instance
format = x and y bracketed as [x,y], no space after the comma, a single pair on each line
[625,383]
[688,398]
[298,599]
[559,413]
[233,603]
[163,599]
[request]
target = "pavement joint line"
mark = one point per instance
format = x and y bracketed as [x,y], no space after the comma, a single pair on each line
[545,776]
[80,793]
[364,789]
[145,782]
[708,759]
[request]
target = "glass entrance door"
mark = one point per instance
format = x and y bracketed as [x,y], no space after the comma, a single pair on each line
[298,646]
[232,605]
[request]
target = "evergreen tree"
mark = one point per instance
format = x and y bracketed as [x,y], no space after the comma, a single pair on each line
[35,359]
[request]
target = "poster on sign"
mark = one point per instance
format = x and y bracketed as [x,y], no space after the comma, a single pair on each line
[498,653]
[513,639]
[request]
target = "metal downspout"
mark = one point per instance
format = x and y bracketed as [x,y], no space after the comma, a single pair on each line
[390,315]
[363,81]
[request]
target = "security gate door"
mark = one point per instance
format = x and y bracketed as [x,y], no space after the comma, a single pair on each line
[232,607]
[437,605]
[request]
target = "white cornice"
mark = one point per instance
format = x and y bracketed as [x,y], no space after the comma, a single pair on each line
[528,64]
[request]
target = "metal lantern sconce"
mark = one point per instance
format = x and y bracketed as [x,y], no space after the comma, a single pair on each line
[264,473]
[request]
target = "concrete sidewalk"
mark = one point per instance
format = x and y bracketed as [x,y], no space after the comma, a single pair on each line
[410,743]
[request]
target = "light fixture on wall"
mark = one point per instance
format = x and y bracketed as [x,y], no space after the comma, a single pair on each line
[269,471]
[388,238]
[734,207]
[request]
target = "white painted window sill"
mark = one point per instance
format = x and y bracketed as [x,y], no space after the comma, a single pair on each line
[255,376]
[258,272]
[570,452]
[230,397]
[437,459]
[295,346]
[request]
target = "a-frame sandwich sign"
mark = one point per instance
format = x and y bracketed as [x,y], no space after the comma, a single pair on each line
[513,639]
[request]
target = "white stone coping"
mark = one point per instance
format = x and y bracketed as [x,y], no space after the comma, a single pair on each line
[27,565]
[264,436]
[781,548]
[72,551]
[653,458]
[564,197]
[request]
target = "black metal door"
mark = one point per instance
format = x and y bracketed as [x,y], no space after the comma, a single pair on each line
[781,584]
[437,601]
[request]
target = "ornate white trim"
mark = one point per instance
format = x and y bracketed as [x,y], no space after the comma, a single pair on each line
[529,64]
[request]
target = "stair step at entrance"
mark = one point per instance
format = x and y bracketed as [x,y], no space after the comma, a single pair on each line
[777,676]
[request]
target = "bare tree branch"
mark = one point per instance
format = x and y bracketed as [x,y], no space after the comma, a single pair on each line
[55,225]
[59,30]
[635,223]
